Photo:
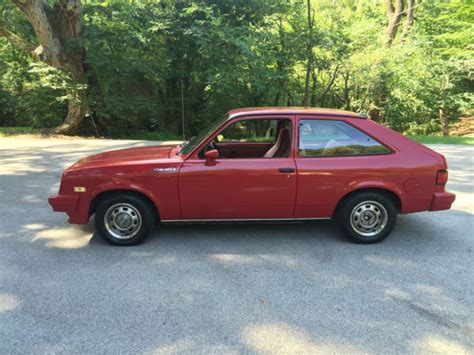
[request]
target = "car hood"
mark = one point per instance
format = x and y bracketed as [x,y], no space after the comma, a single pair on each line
[125,156]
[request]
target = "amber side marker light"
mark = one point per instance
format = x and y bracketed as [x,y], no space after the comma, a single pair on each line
[442,177]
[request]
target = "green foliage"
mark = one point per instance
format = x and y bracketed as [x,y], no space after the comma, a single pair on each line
[31,93]
[148,62]
[443,140]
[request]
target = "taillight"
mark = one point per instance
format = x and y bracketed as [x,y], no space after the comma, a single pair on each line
[442,177]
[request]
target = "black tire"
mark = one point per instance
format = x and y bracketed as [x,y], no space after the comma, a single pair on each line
[367,217]
[124,219]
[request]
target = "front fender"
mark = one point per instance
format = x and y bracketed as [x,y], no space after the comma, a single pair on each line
[125,185]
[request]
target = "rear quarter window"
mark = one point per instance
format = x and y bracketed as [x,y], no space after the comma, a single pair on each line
[330,138]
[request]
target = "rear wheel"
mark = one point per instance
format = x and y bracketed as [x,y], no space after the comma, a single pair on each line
[124,219]
[367,217]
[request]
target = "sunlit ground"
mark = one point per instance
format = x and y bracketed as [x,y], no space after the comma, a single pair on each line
[8,303]
[264,288]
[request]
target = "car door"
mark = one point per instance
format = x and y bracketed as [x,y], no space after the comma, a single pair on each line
[238,187]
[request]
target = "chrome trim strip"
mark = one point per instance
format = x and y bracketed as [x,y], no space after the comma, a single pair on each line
[165,170]
[245,220]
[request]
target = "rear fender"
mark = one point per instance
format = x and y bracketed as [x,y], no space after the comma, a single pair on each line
[375,184]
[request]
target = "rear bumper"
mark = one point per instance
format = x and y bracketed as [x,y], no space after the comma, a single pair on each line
[442,201]
[70,205]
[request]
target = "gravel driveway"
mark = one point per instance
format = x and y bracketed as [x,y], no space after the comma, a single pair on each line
[258,288]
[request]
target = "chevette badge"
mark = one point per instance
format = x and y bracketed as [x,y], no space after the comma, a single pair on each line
[164,170]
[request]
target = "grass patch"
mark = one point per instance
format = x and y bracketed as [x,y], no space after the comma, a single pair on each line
[147,135]
[11,131]
[442,140]
[138,135]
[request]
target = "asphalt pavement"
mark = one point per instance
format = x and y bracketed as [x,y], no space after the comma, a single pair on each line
[245,288]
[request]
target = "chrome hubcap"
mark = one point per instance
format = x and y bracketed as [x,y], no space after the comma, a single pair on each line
[123,221]
[369,218]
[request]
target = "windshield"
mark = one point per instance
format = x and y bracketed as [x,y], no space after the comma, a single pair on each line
[189,145]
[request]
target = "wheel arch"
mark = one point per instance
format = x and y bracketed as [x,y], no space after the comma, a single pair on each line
[118,191]
[393,196]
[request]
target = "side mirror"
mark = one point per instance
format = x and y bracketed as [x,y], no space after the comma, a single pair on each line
[212,154]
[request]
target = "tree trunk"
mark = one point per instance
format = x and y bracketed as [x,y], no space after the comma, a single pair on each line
[329,86]
[444,122]
[314,98]
[77,107]
[394,15]
[276,101]
[409,20]
[309,52]
[57,28]
[347,98]
[76,111]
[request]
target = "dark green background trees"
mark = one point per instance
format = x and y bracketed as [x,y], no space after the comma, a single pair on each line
[406,63]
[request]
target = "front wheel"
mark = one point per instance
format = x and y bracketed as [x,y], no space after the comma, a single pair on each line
[367,217]
[124,219]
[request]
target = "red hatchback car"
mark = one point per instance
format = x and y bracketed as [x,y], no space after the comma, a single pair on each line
[261,164]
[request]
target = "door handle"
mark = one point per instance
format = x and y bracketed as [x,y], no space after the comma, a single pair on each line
[286,170]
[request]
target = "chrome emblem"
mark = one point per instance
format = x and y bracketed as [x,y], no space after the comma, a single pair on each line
[165,170]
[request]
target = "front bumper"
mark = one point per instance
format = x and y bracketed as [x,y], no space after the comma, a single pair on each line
[442,201]
[63,203]
[70,205]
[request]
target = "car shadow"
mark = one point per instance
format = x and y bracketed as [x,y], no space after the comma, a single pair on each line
[410,230]
[232,232]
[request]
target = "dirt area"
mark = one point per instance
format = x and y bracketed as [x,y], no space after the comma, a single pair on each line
[464,127]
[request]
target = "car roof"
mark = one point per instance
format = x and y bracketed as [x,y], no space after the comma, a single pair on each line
[280,110]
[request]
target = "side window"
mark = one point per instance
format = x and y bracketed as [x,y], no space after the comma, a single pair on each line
[250,131]
[319,138]
[253,138]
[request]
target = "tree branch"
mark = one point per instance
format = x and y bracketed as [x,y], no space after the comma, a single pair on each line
[16,41]
[20,3]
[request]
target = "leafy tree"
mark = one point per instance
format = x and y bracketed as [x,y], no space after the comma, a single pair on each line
[57,28]
[143,65]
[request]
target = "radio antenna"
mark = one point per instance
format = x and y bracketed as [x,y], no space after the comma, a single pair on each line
[182,108]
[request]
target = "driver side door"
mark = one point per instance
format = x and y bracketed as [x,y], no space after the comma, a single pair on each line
[241,183]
